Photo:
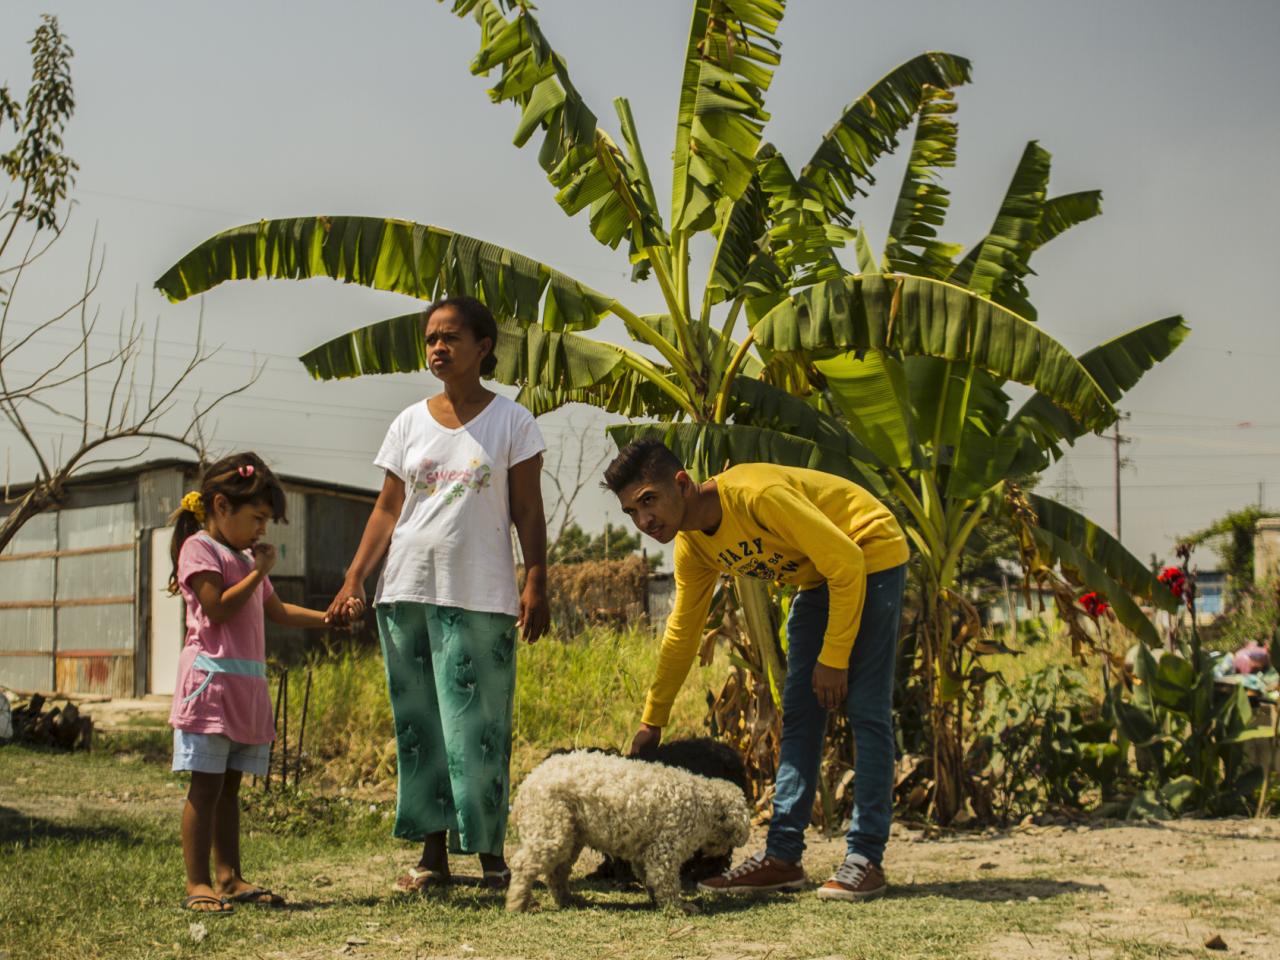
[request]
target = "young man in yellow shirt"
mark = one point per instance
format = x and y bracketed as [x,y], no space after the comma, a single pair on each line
[846,554]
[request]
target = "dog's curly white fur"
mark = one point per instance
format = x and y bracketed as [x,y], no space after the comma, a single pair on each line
[654,816]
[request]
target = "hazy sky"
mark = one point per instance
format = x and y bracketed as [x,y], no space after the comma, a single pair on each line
[192,118]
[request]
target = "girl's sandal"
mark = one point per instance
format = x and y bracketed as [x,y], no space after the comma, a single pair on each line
[496,879]
[417,880]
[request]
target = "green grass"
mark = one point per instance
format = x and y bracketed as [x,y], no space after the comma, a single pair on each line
[90,867]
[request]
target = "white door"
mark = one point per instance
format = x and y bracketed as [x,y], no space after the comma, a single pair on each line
[167,627]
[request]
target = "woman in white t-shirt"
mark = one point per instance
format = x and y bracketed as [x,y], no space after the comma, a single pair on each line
[461,468]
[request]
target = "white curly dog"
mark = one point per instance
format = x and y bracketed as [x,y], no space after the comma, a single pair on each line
[653,815]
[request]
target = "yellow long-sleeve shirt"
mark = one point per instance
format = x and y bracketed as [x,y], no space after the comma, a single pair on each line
[795,526]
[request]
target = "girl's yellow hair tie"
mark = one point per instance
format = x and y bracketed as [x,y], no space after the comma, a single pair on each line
[194,503]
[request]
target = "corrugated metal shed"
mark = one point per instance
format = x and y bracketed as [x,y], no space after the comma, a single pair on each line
[83,607]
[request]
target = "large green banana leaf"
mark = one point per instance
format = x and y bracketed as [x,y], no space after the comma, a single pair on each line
[1001,263]
[802,237]
[868,128]
[1101,548]
[581,161]
[728,67]
[872,394]
[551,368]
[921,317]
[912,245]
[709,448]
[743,264]
[416,259]
[1116,366]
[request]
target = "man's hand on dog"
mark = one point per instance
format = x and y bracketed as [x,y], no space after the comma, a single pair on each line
[646,738]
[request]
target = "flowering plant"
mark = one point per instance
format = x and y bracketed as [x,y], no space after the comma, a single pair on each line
[1094,604]
[1175,580]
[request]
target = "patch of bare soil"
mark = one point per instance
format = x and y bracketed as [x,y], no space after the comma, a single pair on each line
[1153,889]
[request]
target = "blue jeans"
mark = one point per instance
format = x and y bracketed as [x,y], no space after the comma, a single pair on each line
[869,707]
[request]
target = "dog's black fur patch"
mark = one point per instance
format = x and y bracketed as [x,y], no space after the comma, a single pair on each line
[707,758]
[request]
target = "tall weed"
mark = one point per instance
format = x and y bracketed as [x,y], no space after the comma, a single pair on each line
[579,692]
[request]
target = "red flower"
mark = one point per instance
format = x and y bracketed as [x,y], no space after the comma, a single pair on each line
[1094,605]
[1175,580]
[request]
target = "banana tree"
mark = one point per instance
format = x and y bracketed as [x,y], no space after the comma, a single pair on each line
[728,371]
[937,419]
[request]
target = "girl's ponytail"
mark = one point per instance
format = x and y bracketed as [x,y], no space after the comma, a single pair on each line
[241,478]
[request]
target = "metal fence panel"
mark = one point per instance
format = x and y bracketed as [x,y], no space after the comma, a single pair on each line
[109,676]
[101,526]
[27,673]
[96,575]
[26,629]
[37,534]
[26,579]
[104,627]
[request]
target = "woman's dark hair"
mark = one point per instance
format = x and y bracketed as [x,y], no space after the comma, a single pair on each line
[645,459]
[477,318]
[243,479]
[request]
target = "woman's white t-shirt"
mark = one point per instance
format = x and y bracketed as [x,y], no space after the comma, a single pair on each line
[452,544]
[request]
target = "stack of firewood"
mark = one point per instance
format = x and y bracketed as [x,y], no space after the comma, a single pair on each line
[41,722]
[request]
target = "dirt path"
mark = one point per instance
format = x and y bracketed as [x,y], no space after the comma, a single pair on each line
[1139,886]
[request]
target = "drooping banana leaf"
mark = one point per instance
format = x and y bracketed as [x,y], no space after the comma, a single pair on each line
[728,67]
[411,258]
[912,245]
[1056,550]
[868,128]
[1070,527]
[710,447]
[1116,366]
[759,404]
[578,157]
[1063,212]
[917,316]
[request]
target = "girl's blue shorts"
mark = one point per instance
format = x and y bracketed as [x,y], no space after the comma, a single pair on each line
[214,753]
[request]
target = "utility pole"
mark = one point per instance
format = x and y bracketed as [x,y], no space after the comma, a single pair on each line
[1121,463]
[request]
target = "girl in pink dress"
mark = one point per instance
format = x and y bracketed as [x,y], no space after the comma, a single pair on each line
[221,716]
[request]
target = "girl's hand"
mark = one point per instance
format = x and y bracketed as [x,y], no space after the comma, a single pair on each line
[264,557]
[348,604]
[535,614]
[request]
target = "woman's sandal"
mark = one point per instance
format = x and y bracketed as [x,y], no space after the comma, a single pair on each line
[222,908]
[418,879]
[496,879]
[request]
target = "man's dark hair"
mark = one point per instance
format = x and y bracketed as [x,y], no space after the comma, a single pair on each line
[477,318]
[645,459]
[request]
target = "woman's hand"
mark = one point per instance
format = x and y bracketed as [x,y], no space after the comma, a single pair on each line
[535,614]
[347,606]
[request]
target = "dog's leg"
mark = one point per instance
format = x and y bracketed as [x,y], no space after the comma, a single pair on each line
[661,866]
[547,840]
[558,877]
